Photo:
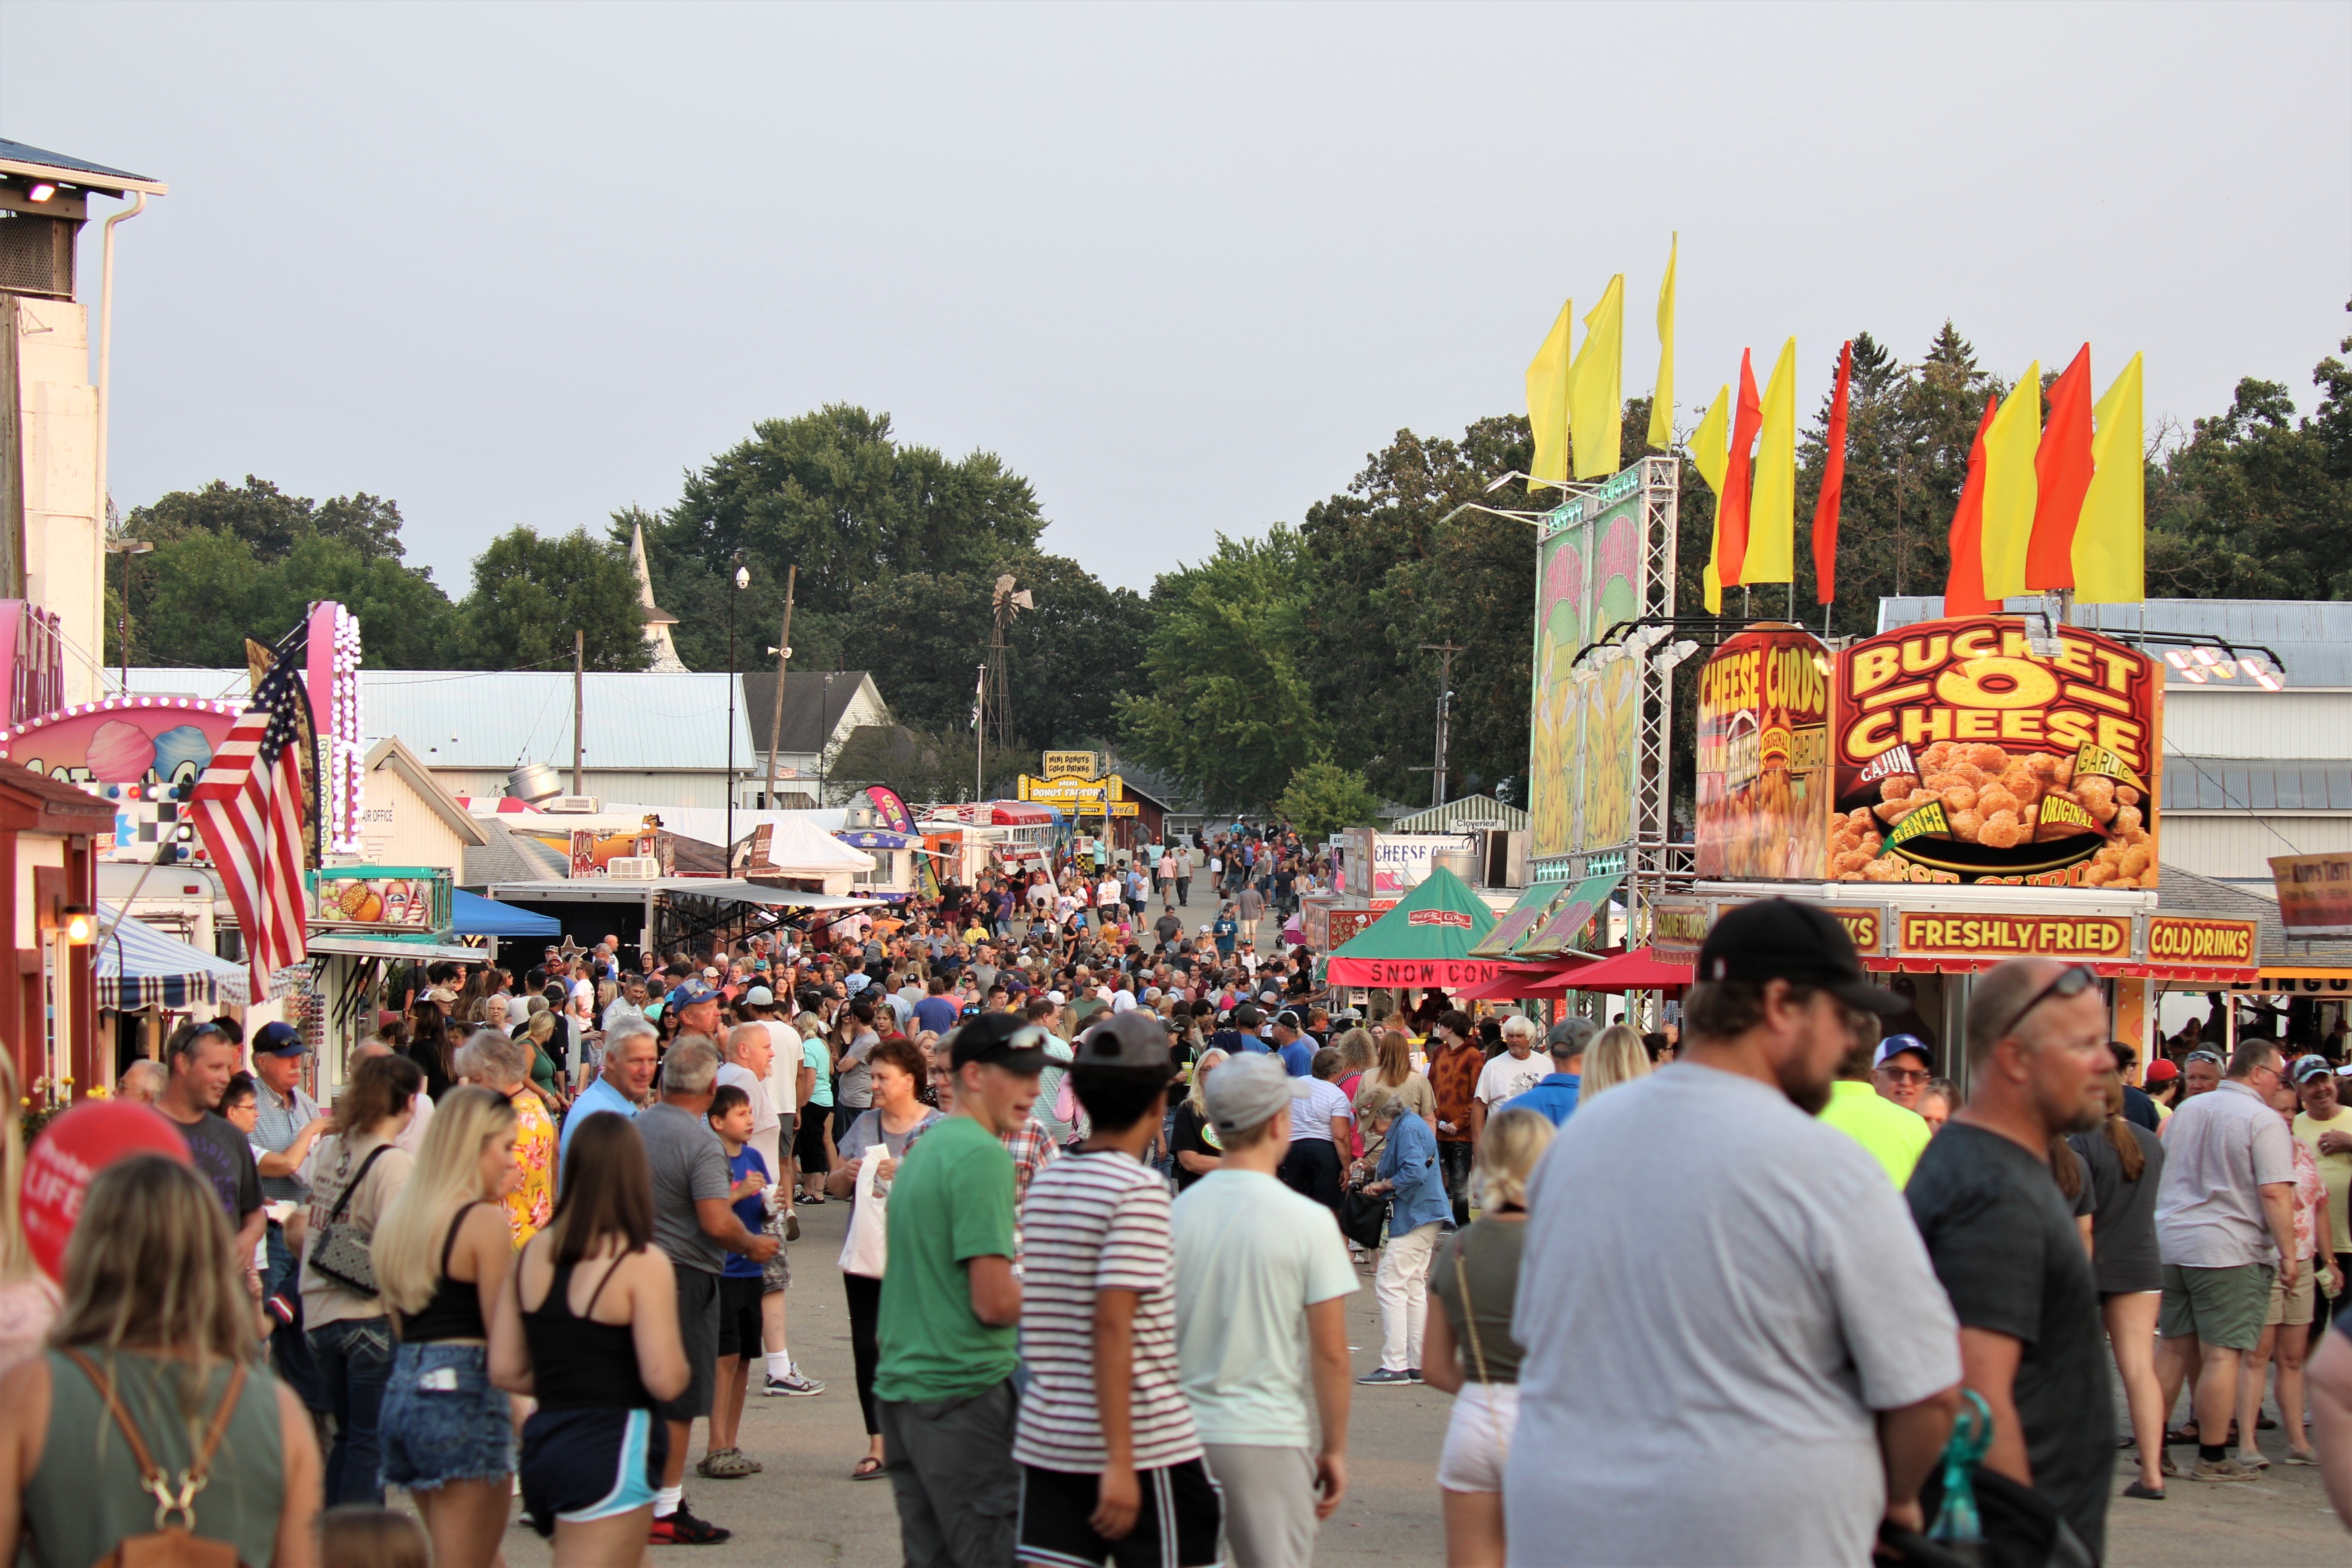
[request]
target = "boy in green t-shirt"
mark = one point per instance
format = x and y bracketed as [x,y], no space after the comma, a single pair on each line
[945,1331]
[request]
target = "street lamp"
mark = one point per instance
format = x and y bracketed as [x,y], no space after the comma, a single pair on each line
[742,581]
[126,548]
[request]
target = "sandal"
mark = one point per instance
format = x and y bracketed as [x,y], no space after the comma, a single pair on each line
[2175,1437]
[2142,1490]
[727,1465]
[867,1470]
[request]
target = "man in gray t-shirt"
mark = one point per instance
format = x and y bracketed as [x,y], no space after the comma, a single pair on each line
[696,1225]
[1719,1292]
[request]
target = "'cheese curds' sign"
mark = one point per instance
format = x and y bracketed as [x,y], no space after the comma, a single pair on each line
[1960,755]
[1763,757]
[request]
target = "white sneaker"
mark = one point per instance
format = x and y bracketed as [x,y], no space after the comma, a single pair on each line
[794,1385]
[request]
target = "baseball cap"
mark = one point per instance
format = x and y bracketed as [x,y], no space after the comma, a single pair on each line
[1896,1044]
[1003,1038]
[1056,997]
[709,974]
[760,996]
[279,1039]
[2213,1057]
[1289,1020]
[2161,1070]
[1782,938]
[687,992]
[1131,1039]
[2305,1068]
[1246,1091]
[1569,1037]
[1247,1017]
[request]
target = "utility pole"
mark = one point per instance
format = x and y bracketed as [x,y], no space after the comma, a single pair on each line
[742,581]
[1445,652]
[579,698]
[776,718]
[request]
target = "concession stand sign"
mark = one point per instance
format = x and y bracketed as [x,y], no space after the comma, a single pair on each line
[1961,755]
[1763,758]
[2315,893]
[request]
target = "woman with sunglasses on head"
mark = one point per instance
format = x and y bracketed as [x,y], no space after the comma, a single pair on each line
[889,1126]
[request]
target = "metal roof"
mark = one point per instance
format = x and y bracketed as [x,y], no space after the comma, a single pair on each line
[16,158]
[1481,808]
[486,719]
[2238,783]
[814,700]
[2312,636]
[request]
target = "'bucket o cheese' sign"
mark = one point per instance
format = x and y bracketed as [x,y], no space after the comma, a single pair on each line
[1963,756]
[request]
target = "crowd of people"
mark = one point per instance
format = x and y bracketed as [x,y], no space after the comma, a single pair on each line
[1110,1187]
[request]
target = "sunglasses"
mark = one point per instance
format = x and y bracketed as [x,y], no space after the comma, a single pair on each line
[2072,981]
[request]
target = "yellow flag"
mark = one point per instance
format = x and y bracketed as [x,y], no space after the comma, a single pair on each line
[1547,399]
[1772,514]
[2011,487]
[1596,396]
[2111,540]
[1710,454]
[1662,396]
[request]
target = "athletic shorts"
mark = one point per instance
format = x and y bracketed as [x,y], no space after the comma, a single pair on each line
[2222,1307]
[697,1333]
[739,1315]
[581,1466]
[808,1141]
[1179,1525]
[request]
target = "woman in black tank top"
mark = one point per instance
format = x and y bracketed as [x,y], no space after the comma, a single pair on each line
[588,1327]
[445,1249]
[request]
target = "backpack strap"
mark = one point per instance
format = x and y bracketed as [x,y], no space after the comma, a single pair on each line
[169,1499]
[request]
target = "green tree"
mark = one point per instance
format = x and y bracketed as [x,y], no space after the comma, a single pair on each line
[1227,708]
[530,593]
[835,493]
[270,519]
[1323,798]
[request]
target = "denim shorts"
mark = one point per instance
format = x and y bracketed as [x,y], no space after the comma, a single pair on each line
[442,1420]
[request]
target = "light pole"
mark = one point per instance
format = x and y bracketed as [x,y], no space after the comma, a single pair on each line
[126,548]
[742,581]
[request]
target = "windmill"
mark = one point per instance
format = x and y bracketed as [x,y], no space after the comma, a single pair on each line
[995,717]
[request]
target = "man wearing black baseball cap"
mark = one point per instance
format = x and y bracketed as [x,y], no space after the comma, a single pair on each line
[1814,1357]
[945,1331]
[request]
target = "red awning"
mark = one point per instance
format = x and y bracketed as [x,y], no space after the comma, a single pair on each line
[1639,970]
[1528,980]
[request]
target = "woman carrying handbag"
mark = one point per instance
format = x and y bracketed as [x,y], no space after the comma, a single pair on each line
[1475,1281]
[357,1174]
[871,1147]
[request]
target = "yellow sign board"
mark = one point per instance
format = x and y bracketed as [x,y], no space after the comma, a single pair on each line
[1124,808]
[1087,794]
[1074,765]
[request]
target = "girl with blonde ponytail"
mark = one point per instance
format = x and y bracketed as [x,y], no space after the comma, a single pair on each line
[442,1254]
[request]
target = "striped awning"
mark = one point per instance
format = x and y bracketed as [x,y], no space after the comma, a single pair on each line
[139,966]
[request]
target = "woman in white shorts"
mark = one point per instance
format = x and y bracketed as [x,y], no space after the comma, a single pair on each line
[1470,1353]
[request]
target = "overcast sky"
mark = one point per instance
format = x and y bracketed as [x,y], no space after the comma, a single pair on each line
[1183,267]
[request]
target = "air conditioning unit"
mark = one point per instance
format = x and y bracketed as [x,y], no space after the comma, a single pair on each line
[633,867]
[575,803]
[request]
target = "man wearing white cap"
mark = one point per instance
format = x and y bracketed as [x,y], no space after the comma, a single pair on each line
[1256,1264]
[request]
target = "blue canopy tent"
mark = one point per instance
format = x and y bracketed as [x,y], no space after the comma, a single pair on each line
[139,966]
[473,915]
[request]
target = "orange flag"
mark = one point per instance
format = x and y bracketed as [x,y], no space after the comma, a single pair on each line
[2062,469]
[1964,591]
[1825,510]
[1731,508]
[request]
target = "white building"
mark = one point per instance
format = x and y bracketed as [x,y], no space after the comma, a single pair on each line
[821,709]
[52,418]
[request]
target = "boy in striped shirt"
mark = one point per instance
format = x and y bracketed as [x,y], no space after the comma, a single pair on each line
[1111,1469]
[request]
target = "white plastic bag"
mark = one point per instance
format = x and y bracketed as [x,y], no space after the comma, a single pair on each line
[865,1249]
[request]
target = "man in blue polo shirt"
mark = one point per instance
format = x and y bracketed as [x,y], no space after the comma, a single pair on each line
[1554,1094]
[630,1053]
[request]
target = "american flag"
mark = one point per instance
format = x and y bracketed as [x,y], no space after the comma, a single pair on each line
[248,810]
